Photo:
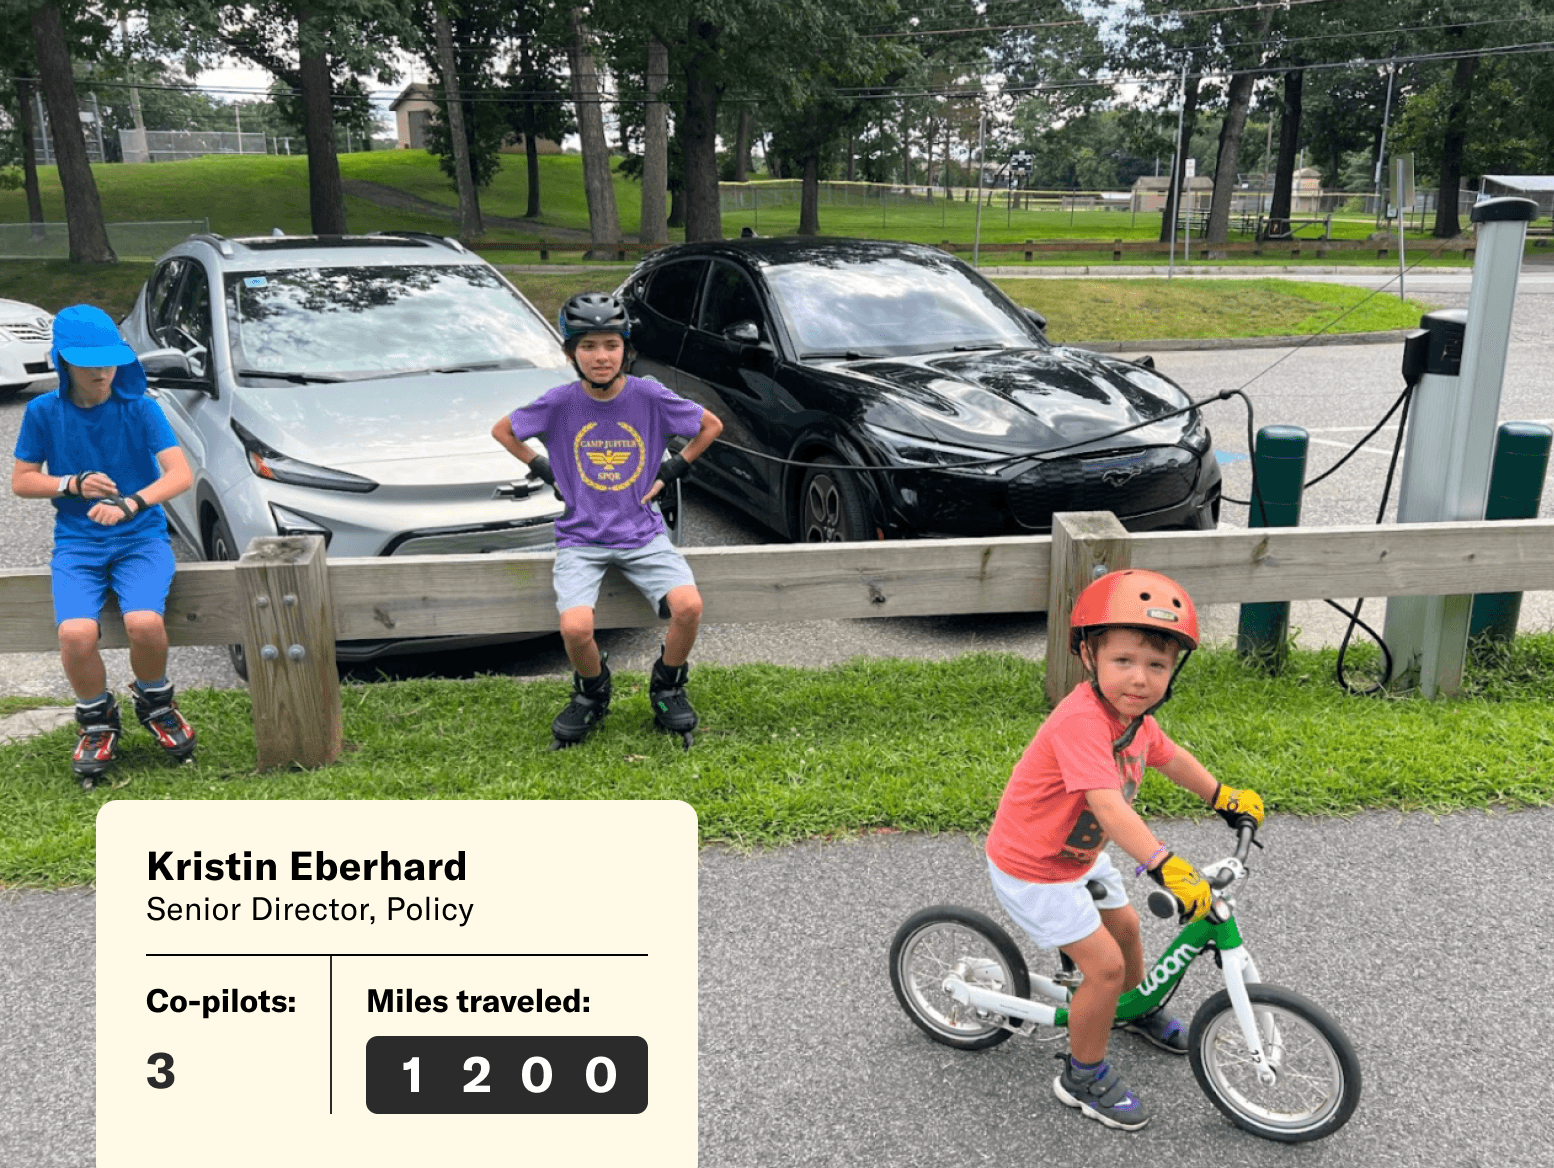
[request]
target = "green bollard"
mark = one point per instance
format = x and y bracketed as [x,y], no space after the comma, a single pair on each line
[1515,490]
[1280,463]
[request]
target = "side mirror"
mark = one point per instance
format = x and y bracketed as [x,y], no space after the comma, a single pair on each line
[743,332]
[166,363]
[1037,319]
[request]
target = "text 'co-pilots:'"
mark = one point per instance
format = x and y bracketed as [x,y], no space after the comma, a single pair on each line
[305,865]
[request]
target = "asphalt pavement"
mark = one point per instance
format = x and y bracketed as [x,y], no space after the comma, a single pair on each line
[1399,925]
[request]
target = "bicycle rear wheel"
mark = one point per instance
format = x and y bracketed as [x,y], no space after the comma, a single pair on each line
[944,939]
[1317,1083]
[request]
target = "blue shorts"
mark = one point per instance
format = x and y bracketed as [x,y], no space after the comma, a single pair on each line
[655,569]
[139,571]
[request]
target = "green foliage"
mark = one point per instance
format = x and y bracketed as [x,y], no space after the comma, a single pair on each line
[786,754]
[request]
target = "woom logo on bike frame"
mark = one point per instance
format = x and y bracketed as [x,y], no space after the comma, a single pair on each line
[1169,966]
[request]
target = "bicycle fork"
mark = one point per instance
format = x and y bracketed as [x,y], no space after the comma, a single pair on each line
[1264,1048]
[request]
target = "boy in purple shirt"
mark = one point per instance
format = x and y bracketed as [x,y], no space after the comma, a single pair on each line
[608,432]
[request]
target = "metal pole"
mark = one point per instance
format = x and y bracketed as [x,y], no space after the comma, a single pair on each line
[1280,462]
[97,124]
[1176,173]
[1381,157]
[976,241]
[1515,490]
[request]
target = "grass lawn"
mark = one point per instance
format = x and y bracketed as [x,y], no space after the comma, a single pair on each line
[786,754]
[1076,309]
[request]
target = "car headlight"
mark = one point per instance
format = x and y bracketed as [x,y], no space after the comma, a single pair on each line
[271,464]
[1196,436]
[921,452]
[288,522]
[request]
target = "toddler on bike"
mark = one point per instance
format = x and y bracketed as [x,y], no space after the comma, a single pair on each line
[1073,790]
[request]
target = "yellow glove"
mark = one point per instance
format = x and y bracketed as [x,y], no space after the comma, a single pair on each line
[1232,804]
[1182,881]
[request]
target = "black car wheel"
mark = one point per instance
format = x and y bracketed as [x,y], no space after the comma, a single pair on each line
[219,545]
[831,508]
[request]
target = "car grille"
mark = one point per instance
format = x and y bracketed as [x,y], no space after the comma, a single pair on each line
[38,367]
[1133,484]
[29,334]
[522,536]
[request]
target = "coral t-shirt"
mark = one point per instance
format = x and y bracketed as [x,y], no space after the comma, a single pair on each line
[1044,831]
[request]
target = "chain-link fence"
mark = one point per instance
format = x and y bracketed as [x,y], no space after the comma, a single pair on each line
[130,241]
[172,145]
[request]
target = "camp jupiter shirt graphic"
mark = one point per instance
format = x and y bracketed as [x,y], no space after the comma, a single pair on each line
[1085,840]
[609,457]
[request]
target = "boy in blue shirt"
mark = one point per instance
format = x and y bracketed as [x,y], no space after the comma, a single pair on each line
[112,460]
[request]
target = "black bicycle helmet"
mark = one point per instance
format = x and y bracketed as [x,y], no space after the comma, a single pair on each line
[593,312]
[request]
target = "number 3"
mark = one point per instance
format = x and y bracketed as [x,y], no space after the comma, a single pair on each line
[164,1075]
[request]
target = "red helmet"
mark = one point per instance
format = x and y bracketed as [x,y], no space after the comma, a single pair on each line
[1135,598]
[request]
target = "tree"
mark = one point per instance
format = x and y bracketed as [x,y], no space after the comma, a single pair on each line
[603,221]
[18,56]
[315,47]
[470,225]
[83,207]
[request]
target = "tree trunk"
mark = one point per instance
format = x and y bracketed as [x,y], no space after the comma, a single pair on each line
[603,223]
[1238,96]
[703,212]
[1189,127]
[470,225]
[655,148]
[1289,137]
[83,207]
[326,193]
[29,161]
[531,148]
[809,197]
[1447,222]
[851,155]
[742,146]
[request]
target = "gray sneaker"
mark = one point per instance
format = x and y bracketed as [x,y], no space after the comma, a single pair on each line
[1100,1095]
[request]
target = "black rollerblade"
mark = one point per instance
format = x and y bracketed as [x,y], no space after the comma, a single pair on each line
[158,713]
[97,743]
[590,703]
[671,708]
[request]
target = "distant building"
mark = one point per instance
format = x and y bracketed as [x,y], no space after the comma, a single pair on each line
[1252,192]
[415,109]
[1537,187]
[1151,191]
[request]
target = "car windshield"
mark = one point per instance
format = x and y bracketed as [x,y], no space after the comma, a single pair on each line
[353,323]
[890,305]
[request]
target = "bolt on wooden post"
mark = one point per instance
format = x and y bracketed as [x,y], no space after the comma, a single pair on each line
[1085,546]
[289,635]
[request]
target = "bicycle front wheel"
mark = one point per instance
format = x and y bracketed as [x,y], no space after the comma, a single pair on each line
[1316,1074]
[946,939]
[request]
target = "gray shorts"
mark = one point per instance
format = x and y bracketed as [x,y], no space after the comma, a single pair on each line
[655,569]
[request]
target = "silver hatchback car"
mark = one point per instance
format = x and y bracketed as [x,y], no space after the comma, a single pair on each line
[345,386]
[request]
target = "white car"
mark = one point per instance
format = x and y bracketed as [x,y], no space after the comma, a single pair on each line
[25,330]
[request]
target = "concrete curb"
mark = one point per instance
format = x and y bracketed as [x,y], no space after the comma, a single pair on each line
[1387,337]
[31,723]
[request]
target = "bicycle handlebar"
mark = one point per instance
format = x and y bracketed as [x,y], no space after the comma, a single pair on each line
[1164,905]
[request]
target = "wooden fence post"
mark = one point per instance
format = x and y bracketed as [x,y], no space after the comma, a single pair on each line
[289,636]
[1085,546]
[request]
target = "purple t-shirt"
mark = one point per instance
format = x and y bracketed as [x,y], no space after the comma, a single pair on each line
[605,455]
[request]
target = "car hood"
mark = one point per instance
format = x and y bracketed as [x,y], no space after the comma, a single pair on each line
[434,428]
[20,312]
[1013,400]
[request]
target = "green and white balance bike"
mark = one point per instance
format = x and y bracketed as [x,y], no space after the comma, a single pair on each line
[1274,1063]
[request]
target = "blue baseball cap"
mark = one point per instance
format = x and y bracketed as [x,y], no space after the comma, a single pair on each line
[86,336]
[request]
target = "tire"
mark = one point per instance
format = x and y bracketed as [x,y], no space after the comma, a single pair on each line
[1318,1074]
[219,545]
[831,507]
[934,942]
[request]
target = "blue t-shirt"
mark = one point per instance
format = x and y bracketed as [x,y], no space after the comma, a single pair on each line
[605,456]
[120,437]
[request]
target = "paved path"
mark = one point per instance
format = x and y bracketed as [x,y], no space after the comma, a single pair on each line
[1421,934]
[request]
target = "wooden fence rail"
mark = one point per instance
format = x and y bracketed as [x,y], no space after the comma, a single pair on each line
[288,605]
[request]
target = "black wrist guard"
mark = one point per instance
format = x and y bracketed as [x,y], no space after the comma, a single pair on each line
[140,504]
[539,465]
[675,467]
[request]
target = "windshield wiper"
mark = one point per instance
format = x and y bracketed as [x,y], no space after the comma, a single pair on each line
[845,354]
[295,378]
[472,367]
[976,348]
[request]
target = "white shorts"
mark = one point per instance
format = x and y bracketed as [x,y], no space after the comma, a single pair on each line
[1054,915]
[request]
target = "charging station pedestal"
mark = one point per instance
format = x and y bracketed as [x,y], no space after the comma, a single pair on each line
[1460,364]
